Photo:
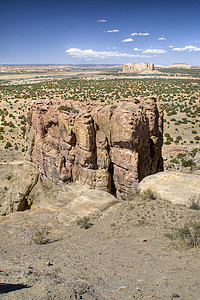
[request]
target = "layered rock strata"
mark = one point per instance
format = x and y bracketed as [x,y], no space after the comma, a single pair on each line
[138,67]
[108,147]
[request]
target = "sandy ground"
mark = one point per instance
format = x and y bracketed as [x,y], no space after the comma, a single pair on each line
[124,255]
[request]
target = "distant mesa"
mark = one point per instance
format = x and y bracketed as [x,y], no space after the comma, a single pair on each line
[138,67]
[180,65]
[175,65]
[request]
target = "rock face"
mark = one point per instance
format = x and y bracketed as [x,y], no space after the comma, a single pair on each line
[138,67]
[108,147]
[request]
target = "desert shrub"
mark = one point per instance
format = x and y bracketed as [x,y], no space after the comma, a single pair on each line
[40,235]
[10,124]
[194,131]
[167,142]
[68,108]
[8,145]
[174,161]
[194,152]
[134,194]
[195,204]
[145,195]
[188,235]
[23,129]
[181,155]
[187,163]
[179,138]
[84,223]
[1,137]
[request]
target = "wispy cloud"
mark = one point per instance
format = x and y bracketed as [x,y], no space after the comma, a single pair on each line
[171,46]
[150,51]
[137,49]
[140,33]
[154,51]
[127,40]
[187,48]
[113,30]
[91,54]
[102,21]
[162,38]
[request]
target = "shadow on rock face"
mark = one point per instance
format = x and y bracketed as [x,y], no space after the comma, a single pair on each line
[9,287]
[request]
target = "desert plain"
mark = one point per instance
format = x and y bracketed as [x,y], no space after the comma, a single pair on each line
[132,249]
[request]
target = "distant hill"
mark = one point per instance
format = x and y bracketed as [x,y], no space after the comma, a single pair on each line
[96,66]
[175,65]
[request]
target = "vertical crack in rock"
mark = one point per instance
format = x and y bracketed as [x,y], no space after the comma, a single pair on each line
[94,146]
[111,172]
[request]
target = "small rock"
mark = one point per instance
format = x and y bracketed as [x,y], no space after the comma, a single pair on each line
[174,295]
[122,287]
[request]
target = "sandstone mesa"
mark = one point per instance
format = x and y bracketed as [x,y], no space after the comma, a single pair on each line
[106,147]
[138,67]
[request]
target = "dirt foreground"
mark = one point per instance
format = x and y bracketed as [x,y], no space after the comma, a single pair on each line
[124,255]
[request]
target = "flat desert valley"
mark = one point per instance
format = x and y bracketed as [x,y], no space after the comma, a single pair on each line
[144,247]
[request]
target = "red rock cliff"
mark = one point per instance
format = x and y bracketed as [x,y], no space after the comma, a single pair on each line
[109,147]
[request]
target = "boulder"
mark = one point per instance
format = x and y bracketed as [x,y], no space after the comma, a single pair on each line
[178,188]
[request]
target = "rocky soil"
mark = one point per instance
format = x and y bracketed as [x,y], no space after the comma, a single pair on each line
[124,255]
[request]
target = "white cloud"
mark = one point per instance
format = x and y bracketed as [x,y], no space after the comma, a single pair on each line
[113,30]
[102,21]
[197,41]
[186,48]
[140,33]
[137,49]
[171,46]
[155,51]
[127,40]
[162,39]
[91,54]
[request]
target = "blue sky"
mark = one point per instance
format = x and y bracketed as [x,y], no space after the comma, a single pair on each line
[102,32]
